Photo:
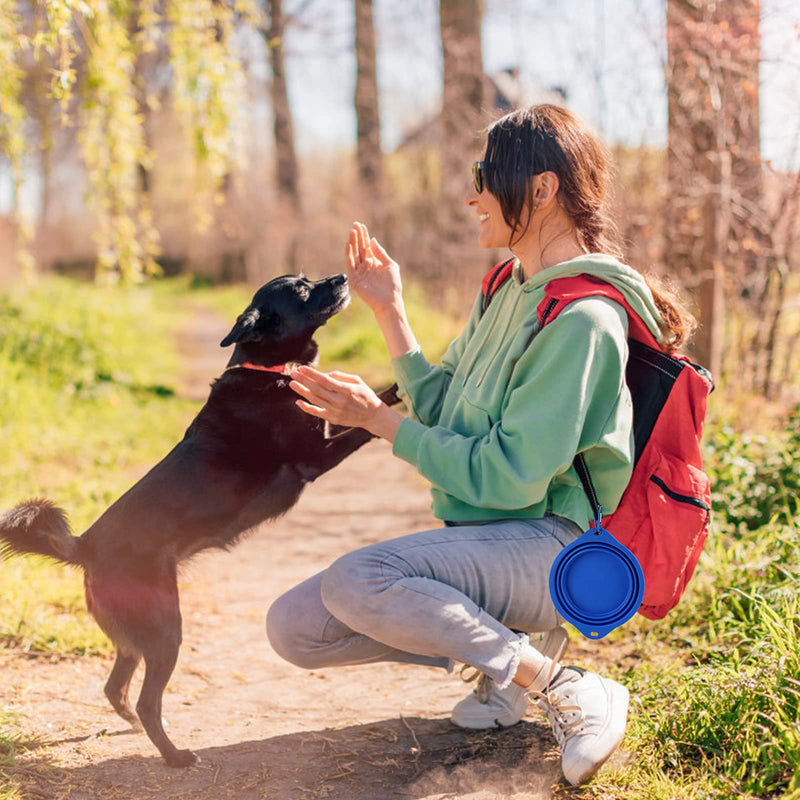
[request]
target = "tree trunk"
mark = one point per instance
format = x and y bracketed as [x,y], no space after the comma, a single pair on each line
[713,240]
[286,170]
[369,155]
[462,107]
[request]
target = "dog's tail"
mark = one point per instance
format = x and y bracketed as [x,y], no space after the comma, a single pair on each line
[38,526]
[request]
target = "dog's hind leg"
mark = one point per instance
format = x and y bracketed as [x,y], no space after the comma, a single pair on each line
[119,682]
[142,616]
[160,655]
[109,600]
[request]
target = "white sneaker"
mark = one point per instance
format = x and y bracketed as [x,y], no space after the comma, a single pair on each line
[489,707]
[587,714]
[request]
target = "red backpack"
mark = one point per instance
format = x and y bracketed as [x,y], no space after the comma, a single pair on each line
[663,516]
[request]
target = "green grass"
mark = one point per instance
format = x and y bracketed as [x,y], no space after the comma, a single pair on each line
[12,742]
[7,790]
[717,692]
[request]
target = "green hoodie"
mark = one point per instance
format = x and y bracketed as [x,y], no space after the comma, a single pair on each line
[495,428]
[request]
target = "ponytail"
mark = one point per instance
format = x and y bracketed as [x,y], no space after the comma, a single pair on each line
[677,323]
[598,233]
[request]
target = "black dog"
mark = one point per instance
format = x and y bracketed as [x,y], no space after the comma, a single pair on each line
[244,459]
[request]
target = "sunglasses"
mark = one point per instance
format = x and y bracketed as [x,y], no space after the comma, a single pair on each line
[477,176]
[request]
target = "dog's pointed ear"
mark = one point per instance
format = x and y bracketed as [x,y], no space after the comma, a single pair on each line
[252,326]
[244,328]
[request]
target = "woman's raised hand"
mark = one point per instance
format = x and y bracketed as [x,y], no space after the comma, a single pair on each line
[374,276]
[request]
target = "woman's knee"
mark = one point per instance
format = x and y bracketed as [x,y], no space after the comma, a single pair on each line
[281,631]
[287,634]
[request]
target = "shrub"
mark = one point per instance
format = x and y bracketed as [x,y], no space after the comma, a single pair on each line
[755,479]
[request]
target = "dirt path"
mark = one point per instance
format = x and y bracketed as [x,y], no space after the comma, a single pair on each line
[264,729]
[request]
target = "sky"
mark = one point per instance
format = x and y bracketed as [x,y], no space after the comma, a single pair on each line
[608,54]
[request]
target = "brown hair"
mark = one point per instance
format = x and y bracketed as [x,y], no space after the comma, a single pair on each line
[548,138]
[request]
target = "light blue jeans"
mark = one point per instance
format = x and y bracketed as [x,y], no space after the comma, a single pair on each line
[458,593]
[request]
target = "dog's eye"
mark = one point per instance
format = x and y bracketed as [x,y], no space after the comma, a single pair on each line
[303,291]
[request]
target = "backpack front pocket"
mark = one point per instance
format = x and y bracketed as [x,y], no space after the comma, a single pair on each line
[666,526]
[679,497]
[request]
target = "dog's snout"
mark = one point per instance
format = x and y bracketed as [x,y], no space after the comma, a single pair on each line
[339,280]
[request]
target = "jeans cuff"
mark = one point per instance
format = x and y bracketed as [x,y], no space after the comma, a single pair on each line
[516,646]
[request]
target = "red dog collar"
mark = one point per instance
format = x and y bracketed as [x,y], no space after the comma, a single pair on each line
[279,368]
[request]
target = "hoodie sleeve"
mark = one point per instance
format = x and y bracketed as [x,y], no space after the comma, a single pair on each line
[422,385]
[567,393]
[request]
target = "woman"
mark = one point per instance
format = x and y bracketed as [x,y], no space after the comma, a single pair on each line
[495,429]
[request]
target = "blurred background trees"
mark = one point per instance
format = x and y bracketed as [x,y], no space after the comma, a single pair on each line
[729,229]
[462,118]
[238,140]
[289,206]
[368,118]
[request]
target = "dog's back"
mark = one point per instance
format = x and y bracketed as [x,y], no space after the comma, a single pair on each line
[236,467]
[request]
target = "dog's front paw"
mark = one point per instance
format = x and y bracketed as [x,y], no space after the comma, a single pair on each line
[183,758]
[391,395]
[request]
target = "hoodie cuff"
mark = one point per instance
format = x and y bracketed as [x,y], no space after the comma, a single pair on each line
[409,367]
[407,440]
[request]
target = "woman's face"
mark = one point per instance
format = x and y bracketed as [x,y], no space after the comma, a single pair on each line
[494,231]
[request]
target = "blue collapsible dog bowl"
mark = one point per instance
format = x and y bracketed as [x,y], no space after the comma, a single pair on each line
[596,583]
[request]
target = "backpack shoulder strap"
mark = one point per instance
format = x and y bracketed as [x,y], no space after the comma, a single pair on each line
[493,280]
[559,293]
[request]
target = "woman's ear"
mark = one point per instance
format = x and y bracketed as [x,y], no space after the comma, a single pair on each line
[545,188]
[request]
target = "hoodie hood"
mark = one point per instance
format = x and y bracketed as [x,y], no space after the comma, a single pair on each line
[628,280]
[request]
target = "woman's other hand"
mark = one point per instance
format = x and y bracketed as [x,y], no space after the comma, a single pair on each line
[344,399]
[373,275]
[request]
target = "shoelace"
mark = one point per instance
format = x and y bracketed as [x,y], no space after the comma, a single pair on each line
[483,689]
[557,710]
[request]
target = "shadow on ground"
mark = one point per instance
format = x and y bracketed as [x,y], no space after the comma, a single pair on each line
[410,758]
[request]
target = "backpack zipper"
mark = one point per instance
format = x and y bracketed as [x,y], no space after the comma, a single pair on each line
[680,498]
[547,311]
